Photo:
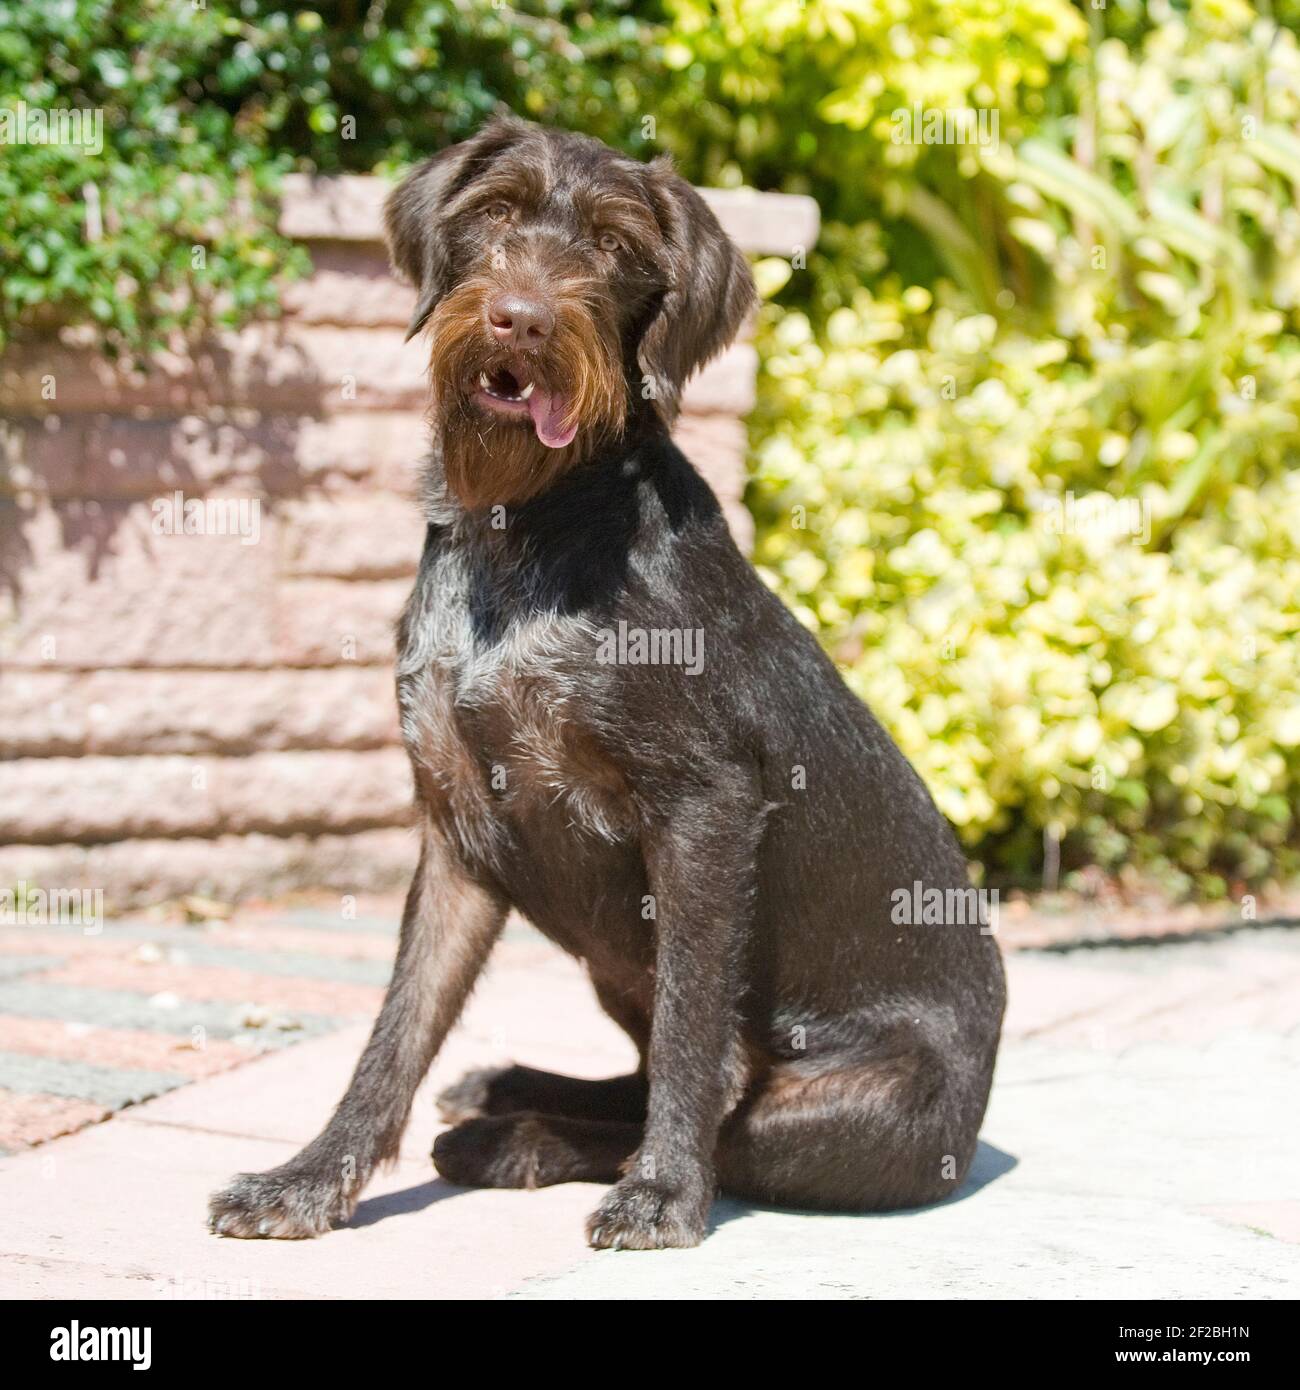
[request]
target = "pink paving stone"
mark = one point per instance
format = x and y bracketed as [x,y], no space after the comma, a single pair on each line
[118,1047]
[380,904]
[123,1212]
[1280,1219]
[414,1234]
[548,1021]
[69,1231]
[271,910]
[220,982]
[27,1120]
[268,937]
[1113,1008]
[301,940]
[24,941]
[1042,998]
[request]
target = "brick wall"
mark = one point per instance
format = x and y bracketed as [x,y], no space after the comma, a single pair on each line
[214,714]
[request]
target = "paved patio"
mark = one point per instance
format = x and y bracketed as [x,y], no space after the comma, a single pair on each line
[1141,1141]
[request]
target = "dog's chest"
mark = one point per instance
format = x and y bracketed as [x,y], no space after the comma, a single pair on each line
[502,736]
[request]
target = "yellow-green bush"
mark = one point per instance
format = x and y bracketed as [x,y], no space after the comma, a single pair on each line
[1057,545]
[1042,671]
[1102,304]
[1001,346]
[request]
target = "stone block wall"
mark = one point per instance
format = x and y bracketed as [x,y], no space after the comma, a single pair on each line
[213,714]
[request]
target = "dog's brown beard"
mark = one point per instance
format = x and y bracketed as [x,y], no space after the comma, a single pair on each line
[490,459]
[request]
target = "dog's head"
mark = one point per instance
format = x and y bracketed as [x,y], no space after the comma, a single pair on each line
[563,287]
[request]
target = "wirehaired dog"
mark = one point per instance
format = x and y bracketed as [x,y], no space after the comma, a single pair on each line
[721,840]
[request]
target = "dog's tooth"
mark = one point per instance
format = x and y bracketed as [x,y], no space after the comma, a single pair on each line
[484,382]
[526,392]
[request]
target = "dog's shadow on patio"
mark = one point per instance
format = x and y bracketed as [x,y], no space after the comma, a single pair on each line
[988,1166]
[372,1210]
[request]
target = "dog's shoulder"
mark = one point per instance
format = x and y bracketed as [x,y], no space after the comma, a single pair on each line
[684,497]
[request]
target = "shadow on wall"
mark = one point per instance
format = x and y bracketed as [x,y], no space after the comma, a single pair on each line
[88,437]
[210,711]
[200,570]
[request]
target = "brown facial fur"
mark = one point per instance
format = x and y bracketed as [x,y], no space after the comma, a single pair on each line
[642,284]
[490,459]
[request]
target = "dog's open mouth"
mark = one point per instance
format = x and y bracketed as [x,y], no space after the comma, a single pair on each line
[513,390]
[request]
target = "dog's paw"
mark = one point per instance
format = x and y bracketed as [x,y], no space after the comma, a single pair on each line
[284,1204]
[640,1214]
[493,1151]
[475,1094]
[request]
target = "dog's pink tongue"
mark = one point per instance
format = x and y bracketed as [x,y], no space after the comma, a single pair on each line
[547,411]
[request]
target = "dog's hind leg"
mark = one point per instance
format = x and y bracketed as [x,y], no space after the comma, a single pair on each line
[510,1090]
[448,928]
[855,1134]
[527,1150]
[515,1089]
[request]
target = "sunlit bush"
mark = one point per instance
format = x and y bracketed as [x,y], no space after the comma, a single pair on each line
[1026,452]
[927,486]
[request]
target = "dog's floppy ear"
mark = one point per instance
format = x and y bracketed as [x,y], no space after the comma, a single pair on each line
[709,293]
[413,227]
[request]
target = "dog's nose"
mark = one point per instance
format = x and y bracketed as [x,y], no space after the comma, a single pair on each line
[520,322]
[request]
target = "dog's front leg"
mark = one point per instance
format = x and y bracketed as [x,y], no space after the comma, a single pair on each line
[448,928]
[700,868]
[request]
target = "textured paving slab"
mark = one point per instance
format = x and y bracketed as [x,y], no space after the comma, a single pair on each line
[1015,1245]
[1141,1143]
[94,1021]
[76,1041]
[111,1087]
[62,1238]
[163,1012]
[1108,915]
[123,1217]
[1102,1176]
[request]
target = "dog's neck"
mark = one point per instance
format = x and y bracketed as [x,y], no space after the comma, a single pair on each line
[480,494]
[570,548]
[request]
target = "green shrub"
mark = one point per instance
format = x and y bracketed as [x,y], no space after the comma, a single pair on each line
[171,223]
[1044,668]
[204,107]
[925,473]
[1097,311]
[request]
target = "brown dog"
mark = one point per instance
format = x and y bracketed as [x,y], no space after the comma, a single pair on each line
[617,729]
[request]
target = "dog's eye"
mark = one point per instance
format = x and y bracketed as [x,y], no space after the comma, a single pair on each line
[609,242]
[498,212]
